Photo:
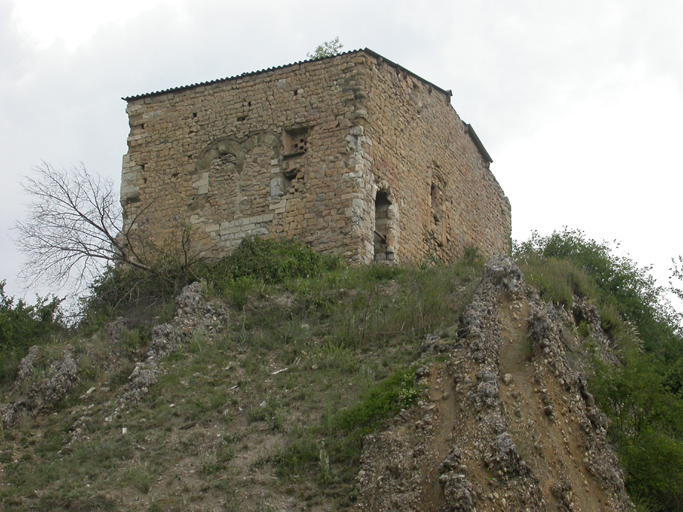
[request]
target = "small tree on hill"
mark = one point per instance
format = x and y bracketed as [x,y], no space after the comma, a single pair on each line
[327,49]
[73,228]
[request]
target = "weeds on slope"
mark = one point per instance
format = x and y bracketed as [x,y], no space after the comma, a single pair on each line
[313,357]
[643,395]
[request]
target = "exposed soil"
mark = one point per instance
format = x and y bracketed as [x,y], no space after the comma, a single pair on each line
[506,423]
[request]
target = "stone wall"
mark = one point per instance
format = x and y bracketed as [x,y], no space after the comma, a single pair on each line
[427,158]
[340,153]
[227,159]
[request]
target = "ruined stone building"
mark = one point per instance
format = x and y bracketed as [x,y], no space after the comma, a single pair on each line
[352,154]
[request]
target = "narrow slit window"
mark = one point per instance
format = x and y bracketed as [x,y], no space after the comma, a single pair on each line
[382,204]
[436,199]
[438,222]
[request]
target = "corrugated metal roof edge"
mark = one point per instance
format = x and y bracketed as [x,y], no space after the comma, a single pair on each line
[477,142]
[381,58]
[252,73]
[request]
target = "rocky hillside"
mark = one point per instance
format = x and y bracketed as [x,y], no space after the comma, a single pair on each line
[506,421]
[380,392]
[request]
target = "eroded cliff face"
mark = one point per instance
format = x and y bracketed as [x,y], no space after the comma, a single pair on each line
[506,423]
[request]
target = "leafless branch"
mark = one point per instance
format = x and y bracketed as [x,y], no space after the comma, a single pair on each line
[73,228]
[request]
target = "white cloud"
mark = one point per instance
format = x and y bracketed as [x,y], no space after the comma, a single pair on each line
[74,22]
[578,102]
[608,164]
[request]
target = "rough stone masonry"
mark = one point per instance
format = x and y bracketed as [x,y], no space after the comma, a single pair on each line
[353,155]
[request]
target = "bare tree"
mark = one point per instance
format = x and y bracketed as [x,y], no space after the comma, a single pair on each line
[73,228]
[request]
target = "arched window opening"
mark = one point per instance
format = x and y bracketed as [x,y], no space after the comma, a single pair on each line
[436,204]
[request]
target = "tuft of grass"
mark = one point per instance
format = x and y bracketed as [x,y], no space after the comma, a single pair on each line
[335,355]
[262,412]
[217,460]
[134,341]
[558,280]
[380,403]
[137,477]
[330,450]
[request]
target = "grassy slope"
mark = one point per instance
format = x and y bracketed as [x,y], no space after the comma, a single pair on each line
[267,414]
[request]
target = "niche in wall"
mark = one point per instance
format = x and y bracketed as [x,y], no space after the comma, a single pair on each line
[295,141]
[381,234]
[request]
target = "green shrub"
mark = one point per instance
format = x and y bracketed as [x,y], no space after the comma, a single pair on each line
[619,280]
[337,441]
[557,280]
[382,272]
[473,257]
[655,469]
[143,295]
[642,397]
[271,261]
[23,325]
[298,456]
[380,403]
[138,295]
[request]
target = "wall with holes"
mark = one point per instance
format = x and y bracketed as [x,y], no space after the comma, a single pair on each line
[267,154]
[351,154]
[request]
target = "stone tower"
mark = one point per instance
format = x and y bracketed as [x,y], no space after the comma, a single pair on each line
[352,154]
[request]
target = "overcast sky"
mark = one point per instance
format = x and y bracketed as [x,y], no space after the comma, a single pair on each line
[579,103]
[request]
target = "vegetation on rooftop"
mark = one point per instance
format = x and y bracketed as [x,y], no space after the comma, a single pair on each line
[326,49]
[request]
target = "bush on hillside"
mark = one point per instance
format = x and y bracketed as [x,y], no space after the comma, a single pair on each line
[642,397]
[23,325]
[271,261]
[129,291]
[620,282]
